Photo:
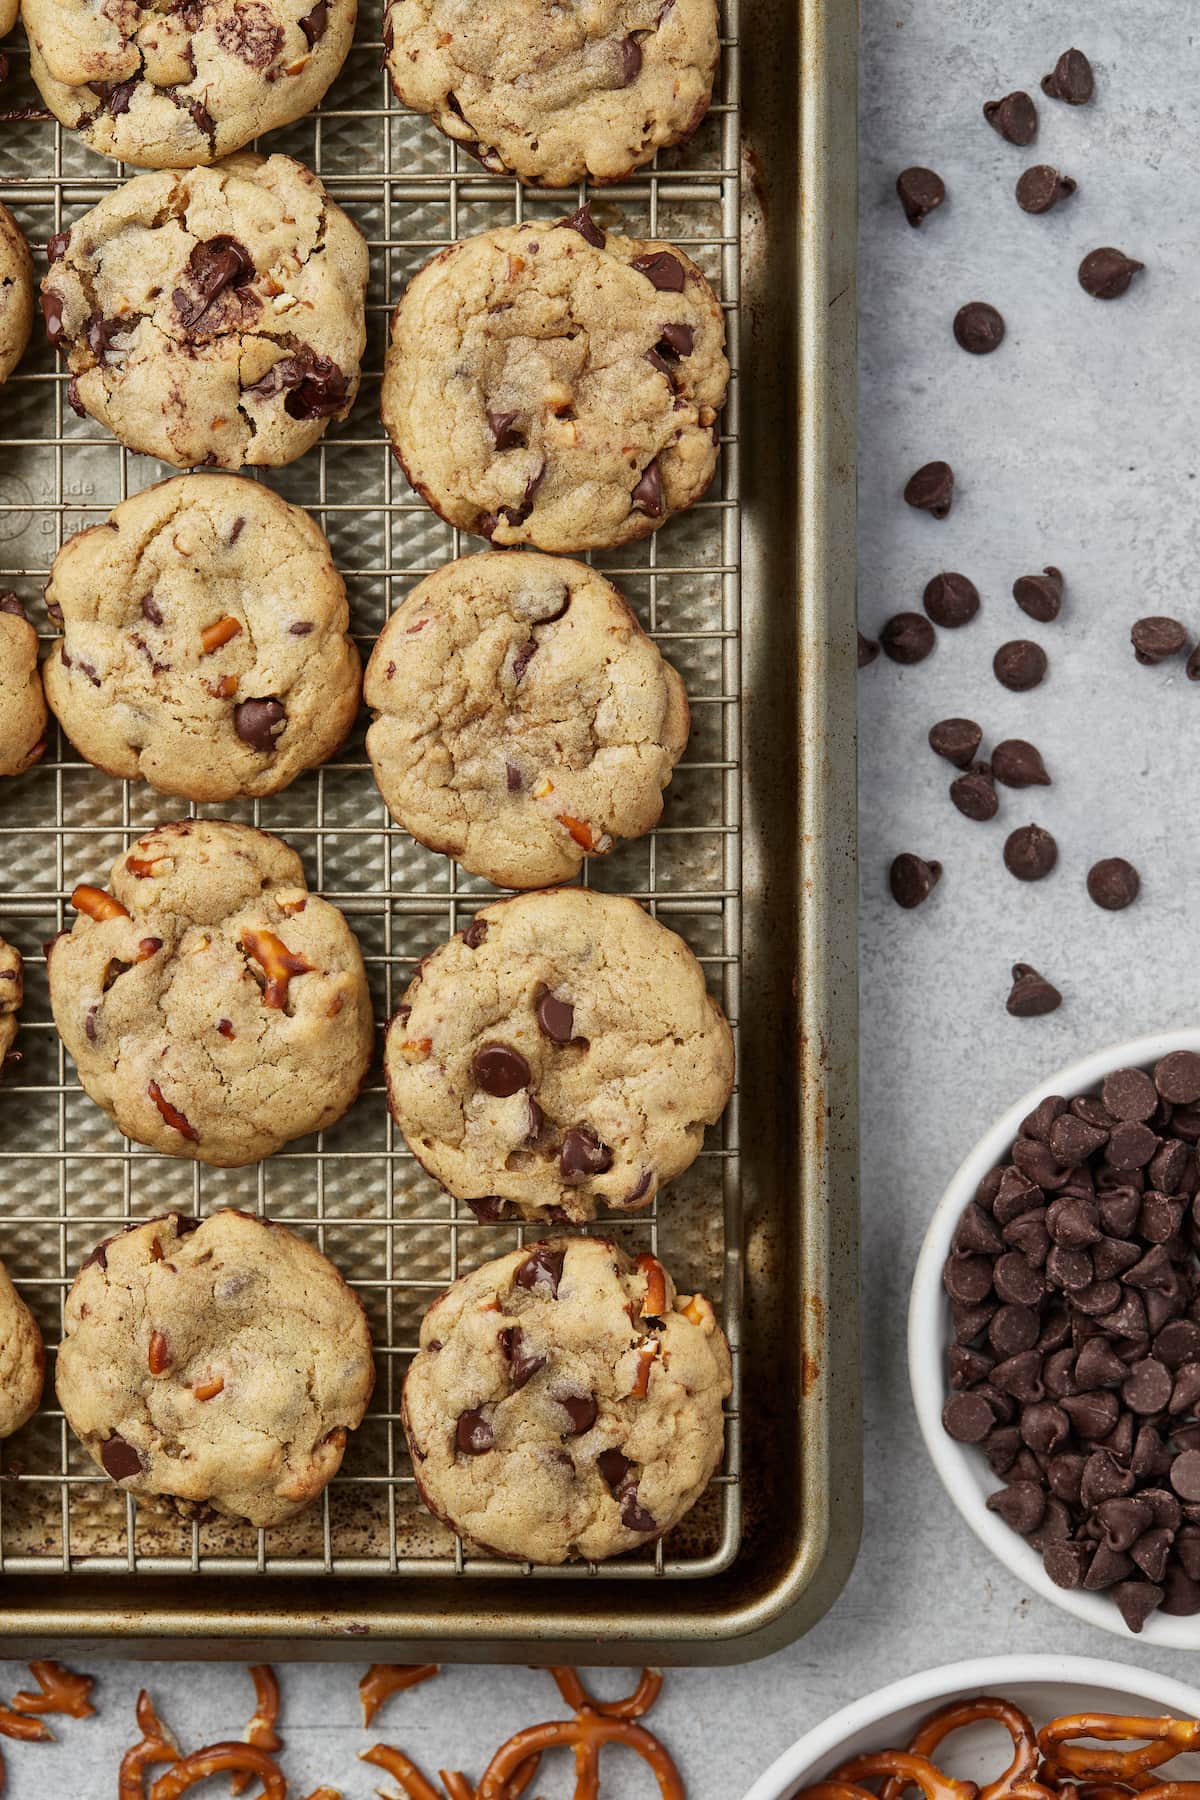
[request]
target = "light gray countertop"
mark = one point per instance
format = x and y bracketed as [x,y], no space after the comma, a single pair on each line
[1075,444]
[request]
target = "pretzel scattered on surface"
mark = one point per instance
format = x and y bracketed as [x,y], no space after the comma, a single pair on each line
[382,1680]
[201,1765]
[157,1746]
[261,1729]
[634,1706]
[62,1691]
[587,1734]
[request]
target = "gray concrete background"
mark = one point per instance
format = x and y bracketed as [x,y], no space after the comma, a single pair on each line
[1075,444]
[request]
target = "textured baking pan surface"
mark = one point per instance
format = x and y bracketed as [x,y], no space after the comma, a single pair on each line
[752,864]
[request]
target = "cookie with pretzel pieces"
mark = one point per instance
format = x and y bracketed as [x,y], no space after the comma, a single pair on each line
[12,997]
[22,1358]
[167,86]
[22,701]
[16,293]
[566,1402]
[216,1364]
[215,1008]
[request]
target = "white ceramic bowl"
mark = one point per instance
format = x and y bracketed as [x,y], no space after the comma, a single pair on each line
[962,1467]
[1045,1687]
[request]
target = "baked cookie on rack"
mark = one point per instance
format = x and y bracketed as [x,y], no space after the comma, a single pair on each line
[561,1055]
[215,1008]
[22,702]
[12,998]
[218,1365]
[556,94]
[8,15]
[16,291]
[212,316]
[170,86]
[22,1358]
[523,717]
[566,1402]
[557,385]
[205,644]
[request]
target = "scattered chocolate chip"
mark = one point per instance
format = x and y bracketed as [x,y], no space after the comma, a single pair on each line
[581,1409]
[908,637]
[662,270]
[1040,595]
[868,650]
[257,723]
[974,794]
[951,600]
[1071,79]
[473,1433]
[931,489]
[1019,764]
[120,1459]
[1041,188]
[1030,853]
[556,1018]
[543,1268]
[1192,669]
[1020,665]
[921,192]
[1156,638]
[583,1154]
[1106,273]
[500,1070]
[912,879]
[978,328]
[1014,117]
[957,740]
[1113,883]
[1031,994]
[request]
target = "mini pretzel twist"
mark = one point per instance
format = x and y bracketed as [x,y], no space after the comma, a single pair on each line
[62,1691]
[910,1769]
[157,1746]
[588,1731]
[261,1729]
[277,963]
[633,1706]
[1021,1772]
[20,1725]
[382,1680]
[97,903]
[1165,1738]
[201,1765]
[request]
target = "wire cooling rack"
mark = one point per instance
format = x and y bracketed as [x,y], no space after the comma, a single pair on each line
[67,1177]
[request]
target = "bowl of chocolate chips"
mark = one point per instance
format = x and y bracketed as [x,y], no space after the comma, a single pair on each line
[1054,1339]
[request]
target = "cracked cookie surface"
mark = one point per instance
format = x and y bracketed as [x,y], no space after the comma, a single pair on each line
[560,1055]
[212,316]
[16,291]
[22,701]
[524,718]
[215,1008]
[22,1358]
[12,998]
[168,84]
[218,1365]
[205,644]
[556,94]
[565,1402]
[556,385]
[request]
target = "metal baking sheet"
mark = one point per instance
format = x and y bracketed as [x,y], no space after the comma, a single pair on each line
[751,595]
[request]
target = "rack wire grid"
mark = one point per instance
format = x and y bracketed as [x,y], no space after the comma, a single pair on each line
[67,1177]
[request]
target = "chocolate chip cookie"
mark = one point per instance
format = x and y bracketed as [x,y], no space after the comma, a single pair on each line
[22,1358]
[16,293]
[167,84]
[557,385]
[204,644]
[214,1007]
[556,94]
[8,16]
[213,316]
[22,703]
[566,1402]
[560,1055]
[218,1365]
[524,719]
[12,998]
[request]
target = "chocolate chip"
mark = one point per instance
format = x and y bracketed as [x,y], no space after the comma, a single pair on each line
[633,1514]
[523,657]
[525,1362]
[1030,853]
[52,313]
[1013,1329]
[1042,187]
[1044,1426]
[1106,1567]
[1129,1094]
[542,1268]
[475,933]
[1181,1595]
[256,723]
[613,1468]
[1071,79]
[907,637]
[1040,595]
[1016,1280]
[677,337]
[581,1409]
[120,1459]
[1177,1077]
[631,60]
[931,489]
[978,328]
[921,192]
[1113,883]
[1136,1601]
[500,425]
[1019,764]
[314,24]
[1014,117]
[974,794]
[583,1154]
[1020,665]
[314,386]
[912,879]
[1185,1475]
[214,265]
[868,650]
[1021,1505]
[1106,273]
[951,600]
[473,1434]
[1147,1387]
[967,1418]
[1031,995]
[582,222]
[1066,1564]
[1157,638]
[647,496]
[500,1070]
[556,1018]
[662,270]
[301,628]
[968,1367]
